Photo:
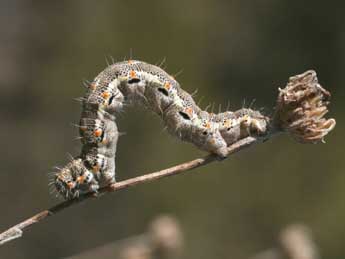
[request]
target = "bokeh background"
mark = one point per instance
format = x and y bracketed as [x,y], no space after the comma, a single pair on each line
[230,51]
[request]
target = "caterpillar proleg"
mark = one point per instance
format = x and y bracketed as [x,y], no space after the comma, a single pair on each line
[136,82]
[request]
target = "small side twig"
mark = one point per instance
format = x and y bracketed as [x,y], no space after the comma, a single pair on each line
[17,230]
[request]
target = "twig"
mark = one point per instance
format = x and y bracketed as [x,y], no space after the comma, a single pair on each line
[17,230]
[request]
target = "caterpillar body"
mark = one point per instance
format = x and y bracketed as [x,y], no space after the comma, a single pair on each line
[137,82]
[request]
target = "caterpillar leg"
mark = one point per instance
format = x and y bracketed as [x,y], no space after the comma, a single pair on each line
[101,164]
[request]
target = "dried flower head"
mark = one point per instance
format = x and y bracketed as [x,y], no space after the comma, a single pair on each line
[296,241]
[166,235]
[301,107]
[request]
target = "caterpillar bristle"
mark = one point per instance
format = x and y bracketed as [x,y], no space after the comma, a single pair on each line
[194,93]
[212,109]
[219,108]
[252,103]
[70,157]
[106,60]
[228,106]
[122,133]
[208,107]
[112,59]
[131,54]
[200,100]
[244,104]
[86,83]
[178,73]
[79,99]
[161,63]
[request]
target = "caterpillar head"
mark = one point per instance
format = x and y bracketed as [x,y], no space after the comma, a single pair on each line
[252,122]
[254,125]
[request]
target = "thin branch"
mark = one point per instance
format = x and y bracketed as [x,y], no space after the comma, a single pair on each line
[17,230]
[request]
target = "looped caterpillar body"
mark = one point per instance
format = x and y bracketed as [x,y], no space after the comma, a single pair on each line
[136,82]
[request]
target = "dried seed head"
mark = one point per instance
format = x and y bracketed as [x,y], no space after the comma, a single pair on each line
[296,241]
[300,108]
[166,236]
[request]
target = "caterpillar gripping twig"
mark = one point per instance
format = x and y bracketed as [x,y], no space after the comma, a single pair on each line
[136,82]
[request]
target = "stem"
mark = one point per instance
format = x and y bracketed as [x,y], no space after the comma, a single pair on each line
[17,230]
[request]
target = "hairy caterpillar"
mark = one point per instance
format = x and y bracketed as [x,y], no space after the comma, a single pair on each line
[136,82]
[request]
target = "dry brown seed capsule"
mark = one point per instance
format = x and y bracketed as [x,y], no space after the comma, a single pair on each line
[300,108]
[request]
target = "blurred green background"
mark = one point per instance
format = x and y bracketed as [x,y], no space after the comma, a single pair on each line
[229,51]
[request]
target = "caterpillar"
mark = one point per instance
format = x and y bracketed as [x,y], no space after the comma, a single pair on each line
[137,82]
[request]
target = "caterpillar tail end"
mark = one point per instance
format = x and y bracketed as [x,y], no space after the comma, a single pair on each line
[75,180]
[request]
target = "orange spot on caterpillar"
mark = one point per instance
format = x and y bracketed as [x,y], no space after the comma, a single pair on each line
[105,95]
[130,61]
[95,169]
[227,123]
[208,125]
[246,119]
[132,74]
[167,85]
[70,185]
[80,179]
[189,111]
[98,132]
